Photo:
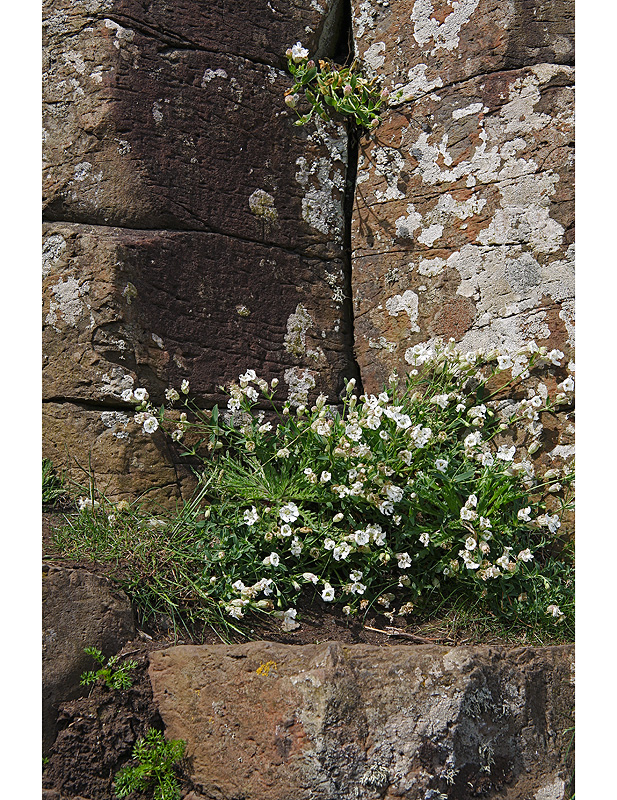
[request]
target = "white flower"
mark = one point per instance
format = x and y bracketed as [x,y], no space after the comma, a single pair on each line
[184,387]
[386,508]
[238,586]
[485,523]
[265,428]
[470,543]
[485,548]
[296,546]
[473,439]
[285,530]
[329,544]
[554,610]
[233,404]
[472,501]
[441,464]
[394,493]
[525,555]
[425,539]
[341,551]
[486,459]
[354,432]
[404,560]
[523,514]
[251,516]
[356,575]
[282,453]
[325,477]
[373,422]
[263,586]
[127,396]
[338,517]
[234,611]
[289,512]
[150,424]
[358,588]
[252,394]
[441,400]
[377,534]
[289,620]
[249,375]
[504,362]
[552,523]
[505,453]
[567,385]
[327,593]
[555,357]
[273,560]
[141,395]
[361,538]
[172,395]
[468,513]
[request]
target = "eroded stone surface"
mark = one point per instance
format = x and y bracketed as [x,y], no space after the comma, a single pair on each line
[145,127]
[423,45]
[126,308]
[336,722]
[109,447]
[463,223]
[79,610]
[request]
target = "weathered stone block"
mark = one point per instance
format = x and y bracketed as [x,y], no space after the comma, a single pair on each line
[423,45]
[79,610]
[147,129]
[108,446]
[463,220]
[340,722]
[129,308]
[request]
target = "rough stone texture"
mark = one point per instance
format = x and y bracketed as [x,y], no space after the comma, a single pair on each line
[335,722]
[426,44]
[463,222]
[129,308]
[79,610]
[172,169]
[107,445]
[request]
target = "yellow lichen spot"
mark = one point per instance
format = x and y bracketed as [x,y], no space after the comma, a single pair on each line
[264,669]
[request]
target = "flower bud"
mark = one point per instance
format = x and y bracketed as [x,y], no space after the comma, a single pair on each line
[274,383]
[347,90]
[533,448]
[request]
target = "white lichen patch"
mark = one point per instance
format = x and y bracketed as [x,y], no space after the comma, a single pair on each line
[323,181]
[444,34]
[551,791]
[374,57]
[430,235]
[407,303]
[67,306]
[297,325]
[300,382]
[74,60]
[262,205]
[115,383]
[117,422]
[417,85]
[158,341]
[389,163]
[430,267]
[156,112]
[211,74]
[405,226]
[382,344]
[53,248]
[82,171]
[474,108]
[362,17]
[121,35]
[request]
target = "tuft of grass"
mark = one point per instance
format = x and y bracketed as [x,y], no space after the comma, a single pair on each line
[54,486]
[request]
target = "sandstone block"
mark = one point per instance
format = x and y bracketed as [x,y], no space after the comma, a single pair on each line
[463,220]
[265,720]
[423,45]
[79,610]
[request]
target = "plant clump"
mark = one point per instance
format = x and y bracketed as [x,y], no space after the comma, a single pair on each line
[398,502]
[155,770]
[112,674]
[331,88]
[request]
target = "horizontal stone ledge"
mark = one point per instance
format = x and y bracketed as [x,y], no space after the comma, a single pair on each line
[335,722]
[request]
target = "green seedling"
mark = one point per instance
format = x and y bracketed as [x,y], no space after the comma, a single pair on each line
[155,771]
[114,676]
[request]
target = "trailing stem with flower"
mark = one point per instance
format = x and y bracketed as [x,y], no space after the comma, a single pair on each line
[394,502]
[328,87]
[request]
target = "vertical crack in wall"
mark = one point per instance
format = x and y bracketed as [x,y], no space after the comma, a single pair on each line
[343,52]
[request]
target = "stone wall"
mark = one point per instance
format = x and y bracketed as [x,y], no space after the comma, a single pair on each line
[192,231]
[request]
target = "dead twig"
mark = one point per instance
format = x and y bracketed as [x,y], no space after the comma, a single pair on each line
[412,636]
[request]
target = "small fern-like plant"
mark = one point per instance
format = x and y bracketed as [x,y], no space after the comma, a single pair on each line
[112,674]
[155,771]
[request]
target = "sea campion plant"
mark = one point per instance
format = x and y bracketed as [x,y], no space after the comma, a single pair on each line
[392,501]
[327,87]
